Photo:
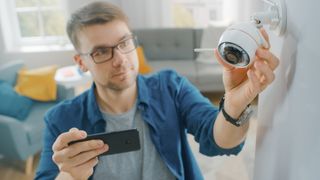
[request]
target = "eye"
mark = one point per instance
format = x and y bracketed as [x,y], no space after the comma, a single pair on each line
[102,51]
[125,43]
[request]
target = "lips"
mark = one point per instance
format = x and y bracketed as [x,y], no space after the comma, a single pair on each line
[120,73]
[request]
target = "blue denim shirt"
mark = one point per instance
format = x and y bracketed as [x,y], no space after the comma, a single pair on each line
[170,105]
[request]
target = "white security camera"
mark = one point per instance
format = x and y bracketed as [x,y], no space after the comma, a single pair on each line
[239,42]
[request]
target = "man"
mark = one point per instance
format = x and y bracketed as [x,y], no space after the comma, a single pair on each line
[163,107]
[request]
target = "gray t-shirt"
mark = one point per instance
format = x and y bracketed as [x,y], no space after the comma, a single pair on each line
[144,164]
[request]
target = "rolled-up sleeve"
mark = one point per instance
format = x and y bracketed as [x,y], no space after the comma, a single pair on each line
[199,115]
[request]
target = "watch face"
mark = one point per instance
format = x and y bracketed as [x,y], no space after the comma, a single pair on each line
[245,116]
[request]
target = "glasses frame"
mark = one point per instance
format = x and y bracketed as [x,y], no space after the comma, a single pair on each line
[131,36]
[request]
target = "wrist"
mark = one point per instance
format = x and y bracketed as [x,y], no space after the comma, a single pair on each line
[236,120]
[233,110]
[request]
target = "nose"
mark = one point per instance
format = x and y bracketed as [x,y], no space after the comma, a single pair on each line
[119,59]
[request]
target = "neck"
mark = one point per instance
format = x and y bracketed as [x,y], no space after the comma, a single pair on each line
[116,101]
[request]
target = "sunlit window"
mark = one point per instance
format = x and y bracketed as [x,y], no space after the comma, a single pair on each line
[40,18]
[37,22]
[197,13]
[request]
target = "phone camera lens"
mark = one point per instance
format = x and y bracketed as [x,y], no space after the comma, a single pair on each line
[127,142]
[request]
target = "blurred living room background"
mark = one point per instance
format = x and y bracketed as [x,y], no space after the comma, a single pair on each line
[37,69]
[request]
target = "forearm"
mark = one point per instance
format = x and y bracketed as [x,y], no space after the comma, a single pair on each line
[226,135]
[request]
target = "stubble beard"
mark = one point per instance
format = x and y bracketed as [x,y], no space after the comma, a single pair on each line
[123,85]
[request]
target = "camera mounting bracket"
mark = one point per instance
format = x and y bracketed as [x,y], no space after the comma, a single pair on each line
[275,16]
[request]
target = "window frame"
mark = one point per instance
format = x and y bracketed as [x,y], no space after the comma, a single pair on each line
[12,32]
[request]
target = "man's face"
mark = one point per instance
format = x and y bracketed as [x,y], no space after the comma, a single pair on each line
[119,72]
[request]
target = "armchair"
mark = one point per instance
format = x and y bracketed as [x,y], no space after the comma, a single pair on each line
[21,140]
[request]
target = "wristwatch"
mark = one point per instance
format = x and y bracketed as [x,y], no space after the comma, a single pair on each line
[244,117]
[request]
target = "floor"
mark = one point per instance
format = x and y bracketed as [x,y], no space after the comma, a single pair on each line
[214,168]
[15,170]
[238,167]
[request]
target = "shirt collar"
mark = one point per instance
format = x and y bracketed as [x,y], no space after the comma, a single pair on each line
[143,93]
[93,110]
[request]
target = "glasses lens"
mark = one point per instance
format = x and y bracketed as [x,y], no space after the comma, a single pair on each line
[106,53]
[102,54]
[127,45]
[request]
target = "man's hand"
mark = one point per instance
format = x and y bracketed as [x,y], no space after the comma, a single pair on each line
[242,85]
[78,159]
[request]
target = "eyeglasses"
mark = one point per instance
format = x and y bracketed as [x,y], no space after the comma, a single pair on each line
[103,54]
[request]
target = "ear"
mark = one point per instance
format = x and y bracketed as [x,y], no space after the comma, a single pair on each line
[79,61]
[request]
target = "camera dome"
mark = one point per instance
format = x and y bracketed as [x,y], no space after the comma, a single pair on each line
[238,44]
[234,54]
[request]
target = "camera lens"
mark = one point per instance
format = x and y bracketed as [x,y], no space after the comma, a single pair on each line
[234,54]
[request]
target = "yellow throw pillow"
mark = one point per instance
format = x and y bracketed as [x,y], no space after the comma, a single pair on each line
[144,68]
[38,84]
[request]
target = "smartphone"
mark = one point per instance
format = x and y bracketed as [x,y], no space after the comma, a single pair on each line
[118,141]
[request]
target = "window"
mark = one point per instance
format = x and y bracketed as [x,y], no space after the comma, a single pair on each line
[35,22]
[197,13]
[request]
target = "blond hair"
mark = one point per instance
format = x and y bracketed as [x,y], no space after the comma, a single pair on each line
[92,14]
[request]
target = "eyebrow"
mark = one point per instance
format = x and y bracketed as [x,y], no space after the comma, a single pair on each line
[105,46]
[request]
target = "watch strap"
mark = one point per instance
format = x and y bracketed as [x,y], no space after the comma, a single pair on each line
[235,122]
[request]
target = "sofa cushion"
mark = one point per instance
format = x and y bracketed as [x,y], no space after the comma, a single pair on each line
[34,123]
[144,67]
[38,84]
[210,39]
[8,71]
[198,38]
[167,43]
[12,104]
[209,77]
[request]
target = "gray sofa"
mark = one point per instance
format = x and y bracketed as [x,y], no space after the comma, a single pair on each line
[21,139]
[173,48]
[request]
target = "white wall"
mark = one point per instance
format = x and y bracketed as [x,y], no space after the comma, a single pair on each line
[288,140]
[236,10]
[148,13]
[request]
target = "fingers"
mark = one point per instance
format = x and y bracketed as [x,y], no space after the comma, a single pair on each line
[77,159]
[267,75]
[81,158]
[66,154]
[85,170]
[265,36]
[254,81]
[77,148]
[86,156]
[268,57]
[260,76]
[65,138]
